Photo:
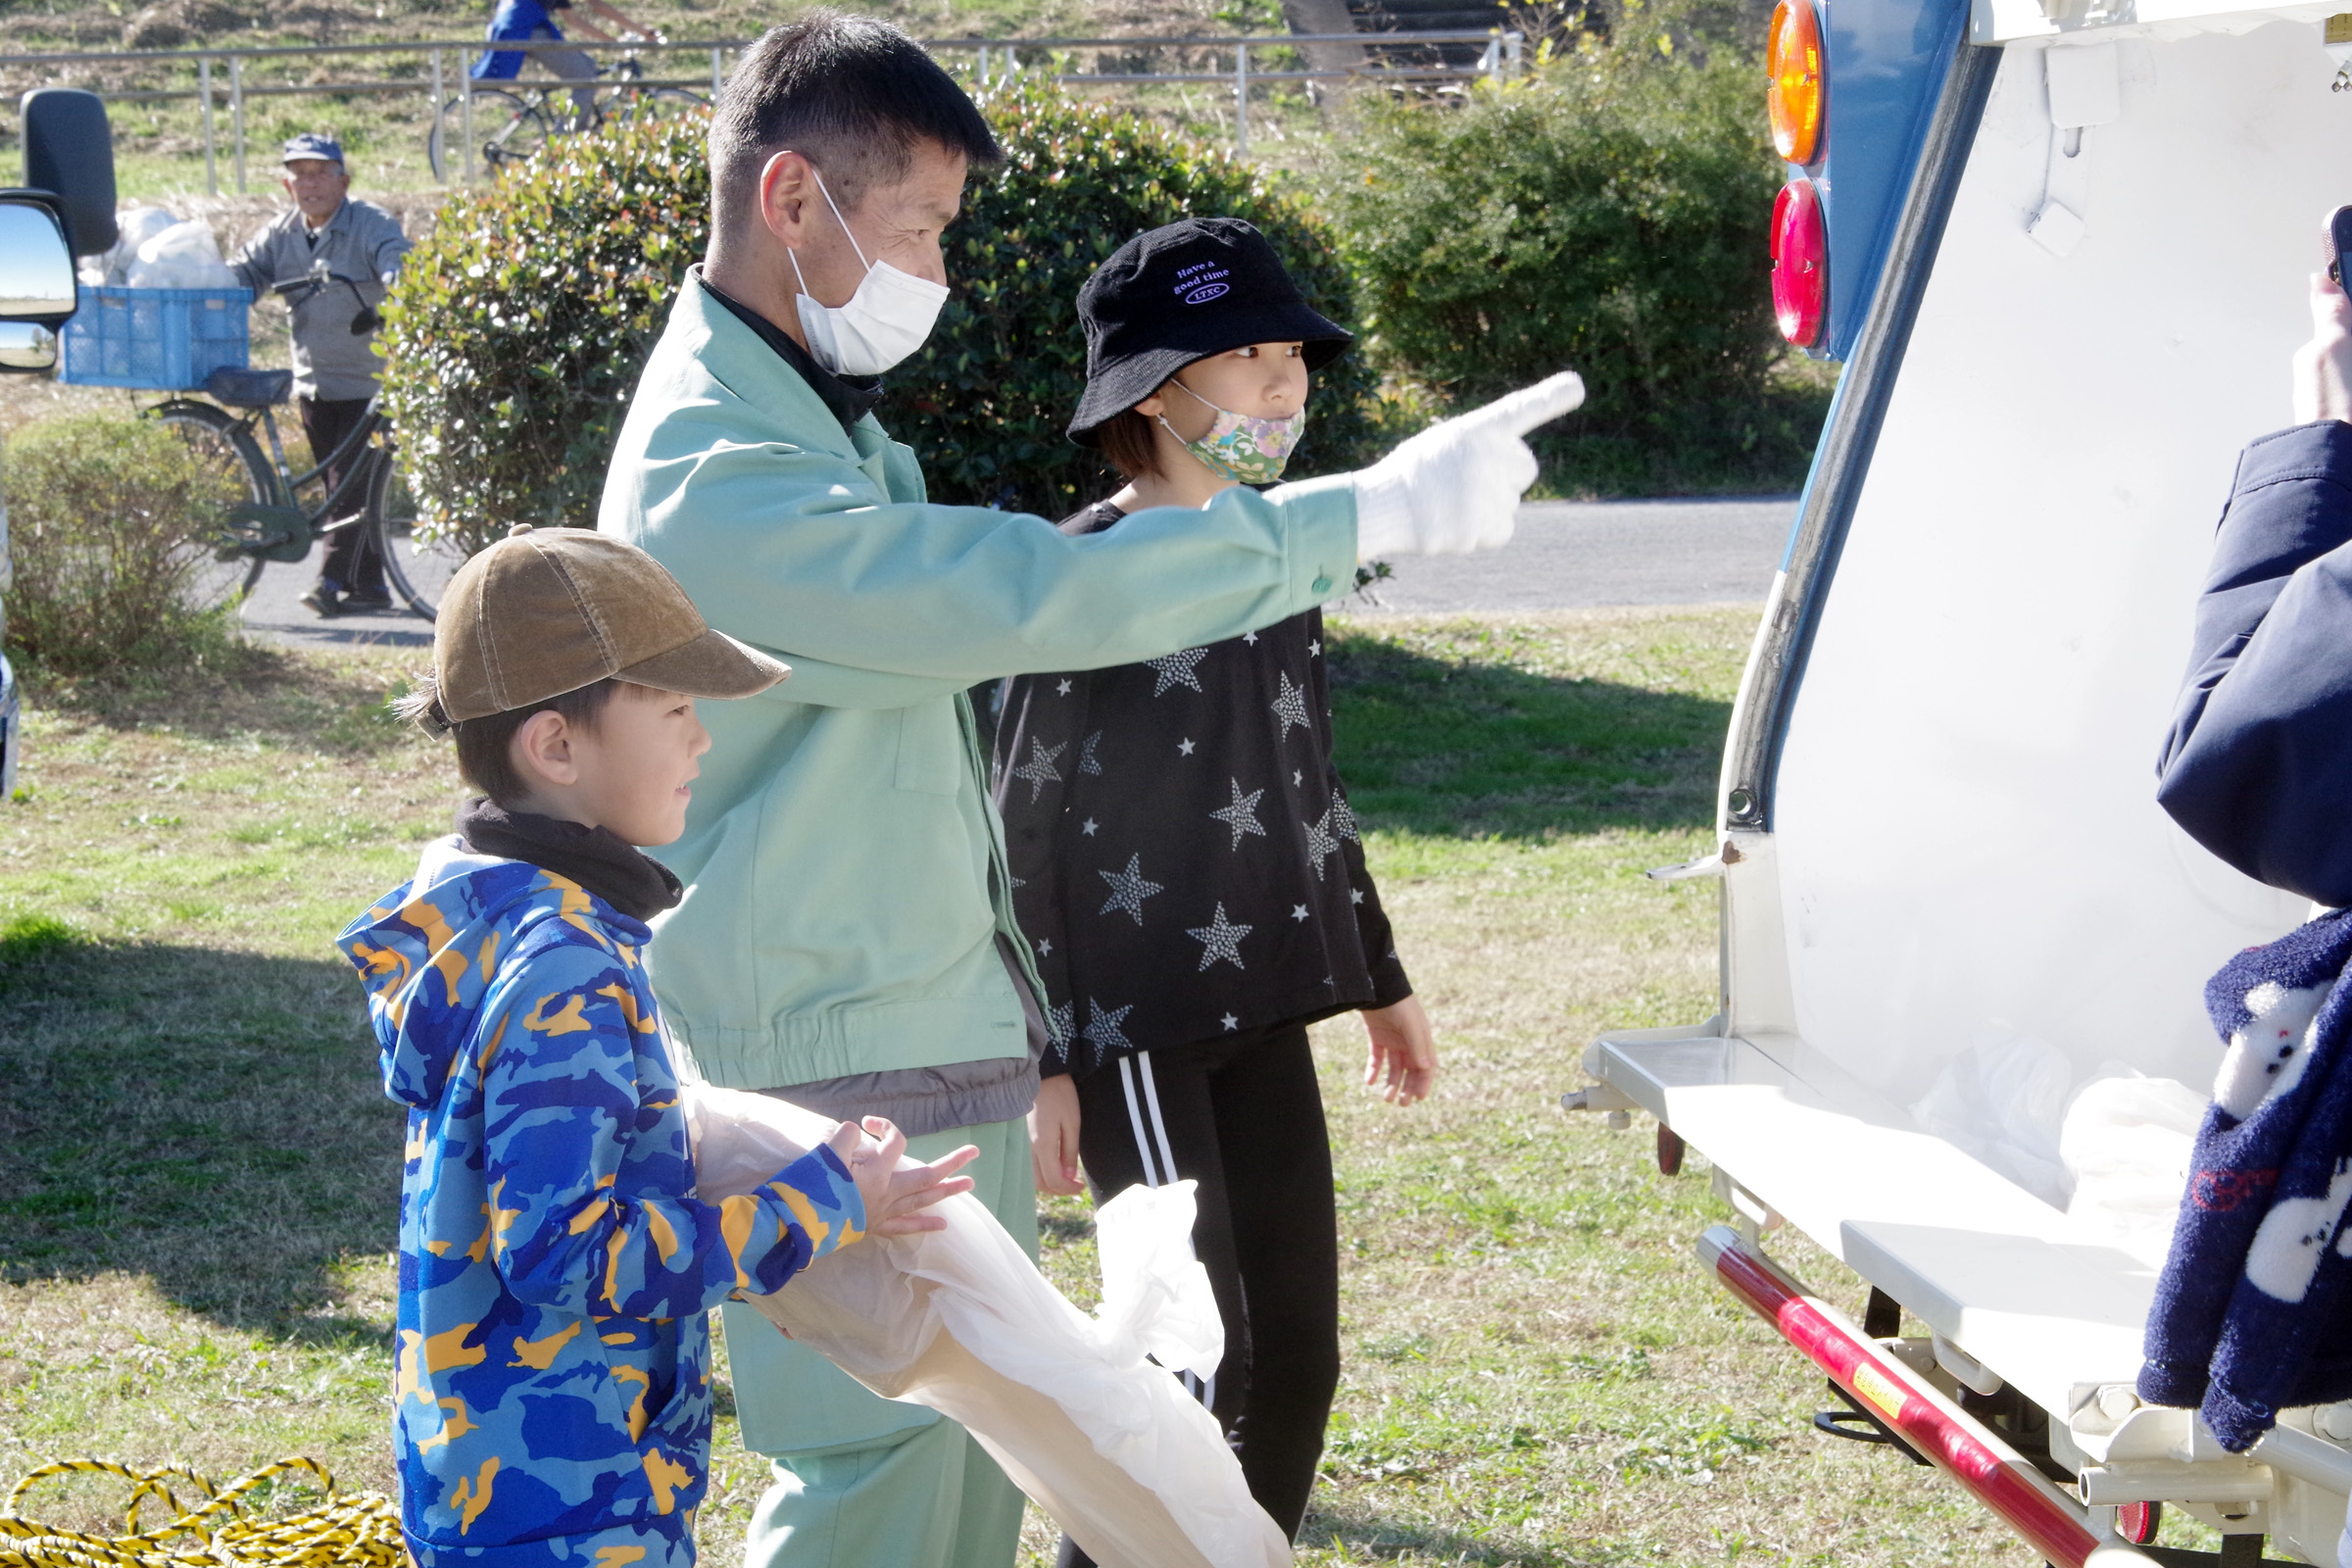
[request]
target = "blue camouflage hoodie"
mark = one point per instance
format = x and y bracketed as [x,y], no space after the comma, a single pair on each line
[552,1378]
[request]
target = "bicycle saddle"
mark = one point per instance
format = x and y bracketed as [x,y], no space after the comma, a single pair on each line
[248,389]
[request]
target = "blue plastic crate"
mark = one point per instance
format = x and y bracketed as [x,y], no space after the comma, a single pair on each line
[163,339]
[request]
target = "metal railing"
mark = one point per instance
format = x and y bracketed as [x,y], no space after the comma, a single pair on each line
[994,59]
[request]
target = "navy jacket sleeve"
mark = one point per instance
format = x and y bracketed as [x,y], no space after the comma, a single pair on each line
[2258,763]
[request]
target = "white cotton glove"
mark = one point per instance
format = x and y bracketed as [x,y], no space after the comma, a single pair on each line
[1455,487]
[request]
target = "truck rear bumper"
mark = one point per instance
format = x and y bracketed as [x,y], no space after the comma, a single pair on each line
[2010,1293]
[2046,1518]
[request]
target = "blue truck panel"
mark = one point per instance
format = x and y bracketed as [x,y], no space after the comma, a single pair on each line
[1886,62]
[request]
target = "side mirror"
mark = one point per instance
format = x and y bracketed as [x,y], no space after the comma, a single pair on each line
[70,151]
[36,263]
[26,346]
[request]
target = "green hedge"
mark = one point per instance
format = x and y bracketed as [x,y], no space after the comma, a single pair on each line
[110,521]
[517,331]
[1607,211]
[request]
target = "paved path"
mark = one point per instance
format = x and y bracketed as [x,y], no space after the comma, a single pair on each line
[1581,555]
[1565,556]
[275,615]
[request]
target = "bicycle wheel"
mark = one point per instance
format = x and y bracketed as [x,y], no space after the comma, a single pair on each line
[217,573]
[661,103]
[507,129]
[418,570]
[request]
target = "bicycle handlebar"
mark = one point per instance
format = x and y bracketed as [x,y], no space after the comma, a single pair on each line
[311,285]
[313,282]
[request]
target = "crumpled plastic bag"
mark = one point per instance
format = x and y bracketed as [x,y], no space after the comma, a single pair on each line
[132,228]
[2113,1151]
[2002,1102]
[2127,1142]
[960,1320]
[182,256]
[1156,1299]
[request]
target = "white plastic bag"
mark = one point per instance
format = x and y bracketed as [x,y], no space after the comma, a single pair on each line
[960,1320]
[2002,1102]
[2114,1152]
[2126,1143]
[182,256]
[133,228]
[1156,1299]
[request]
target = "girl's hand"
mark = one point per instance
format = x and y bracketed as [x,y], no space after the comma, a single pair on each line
[895,1199]
[1054,1135]
[1403,1052]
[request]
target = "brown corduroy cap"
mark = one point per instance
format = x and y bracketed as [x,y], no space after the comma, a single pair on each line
[547,610]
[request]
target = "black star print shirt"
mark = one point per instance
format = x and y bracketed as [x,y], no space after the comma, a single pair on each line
[1184,861]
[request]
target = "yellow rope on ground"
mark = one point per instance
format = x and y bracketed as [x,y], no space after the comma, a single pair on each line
[360,1530]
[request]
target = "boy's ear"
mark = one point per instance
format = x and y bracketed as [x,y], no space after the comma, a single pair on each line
[541,752]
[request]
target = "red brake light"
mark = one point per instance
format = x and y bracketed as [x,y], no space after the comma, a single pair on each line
[1792,57]
[1800,263]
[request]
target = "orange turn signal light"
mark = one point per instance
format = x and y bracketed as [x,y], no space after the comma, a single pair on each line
[1793,57]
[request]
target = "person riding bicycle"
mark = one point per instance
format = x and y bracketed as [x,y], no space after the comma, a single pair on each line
[335,366]
[523,21]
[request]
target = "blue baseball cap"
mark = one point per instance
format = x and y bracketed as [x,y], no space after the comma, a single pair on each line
[310,145]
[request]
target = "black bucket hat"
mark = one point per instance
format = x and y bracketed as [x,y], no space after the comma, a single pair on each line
[1180,293]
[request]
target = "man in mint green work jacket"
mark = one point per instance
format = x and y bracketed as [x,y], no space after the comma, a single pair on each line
[846,939]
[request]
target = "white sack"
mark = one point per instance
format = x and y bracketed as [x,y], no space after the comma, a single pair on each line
[2127,1143]
[182,256]
[2002,1102]
[1156,1299]
[132,230]
[961,1321]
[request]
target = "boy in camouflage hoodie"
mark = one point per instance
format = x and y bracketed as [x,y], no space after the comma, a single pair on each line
[552,1376]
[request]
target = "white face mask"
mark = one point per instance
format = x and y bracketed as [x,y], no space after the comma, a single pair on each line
[885,321]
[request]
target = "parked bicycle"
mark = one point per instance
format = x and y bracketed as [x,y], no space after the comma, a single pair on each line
[279,520]
[510,128]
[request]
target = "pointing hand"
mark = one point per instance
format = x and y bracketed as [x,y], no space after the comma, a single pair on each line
[1455,487]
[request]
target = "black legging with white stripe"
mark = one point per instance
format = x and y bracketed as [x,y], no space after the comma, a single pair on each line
[1244,1118]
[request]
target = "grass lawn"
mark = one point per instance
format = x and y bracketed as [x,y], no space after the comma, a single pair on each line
[197,1199]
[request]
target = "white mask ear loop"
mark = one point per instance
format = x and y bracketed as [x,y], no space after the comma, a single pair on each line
[838,219]
[1196,398]
[795,254]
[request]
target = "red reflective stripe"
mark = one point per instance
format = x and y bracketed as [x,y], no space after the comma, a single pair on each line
[1999,1477]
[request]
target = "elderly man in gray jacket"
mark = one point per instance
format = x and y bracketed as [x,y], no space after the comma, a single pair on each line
[335,363]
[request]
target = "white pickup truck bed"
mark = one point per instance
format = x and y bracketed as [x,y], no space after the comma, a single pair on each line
[1960,835]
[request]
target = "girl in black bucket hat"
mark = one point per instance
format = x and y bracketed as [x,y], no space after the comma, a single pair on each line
[1185,863]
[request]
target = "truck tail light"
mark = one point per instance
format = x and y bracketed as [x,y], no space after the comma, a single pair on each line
[1793,55]
[1801,261]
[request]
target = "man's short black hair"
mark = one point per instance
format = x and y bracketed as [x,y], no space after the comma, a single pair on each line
[853,95]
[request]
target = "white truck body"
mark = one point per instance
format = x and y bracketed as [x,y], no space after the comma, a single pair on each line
[1962,834]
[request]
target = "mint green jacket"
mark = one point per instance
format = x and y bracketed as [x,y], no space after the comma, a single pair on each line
[845,866]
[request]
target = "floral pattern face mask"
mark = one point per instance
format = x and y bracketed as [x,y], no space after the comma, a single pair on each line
[1243,447]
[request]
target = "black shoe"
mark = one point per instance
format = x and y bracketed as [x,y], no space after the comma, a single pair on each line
[368,604]
[326,601]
